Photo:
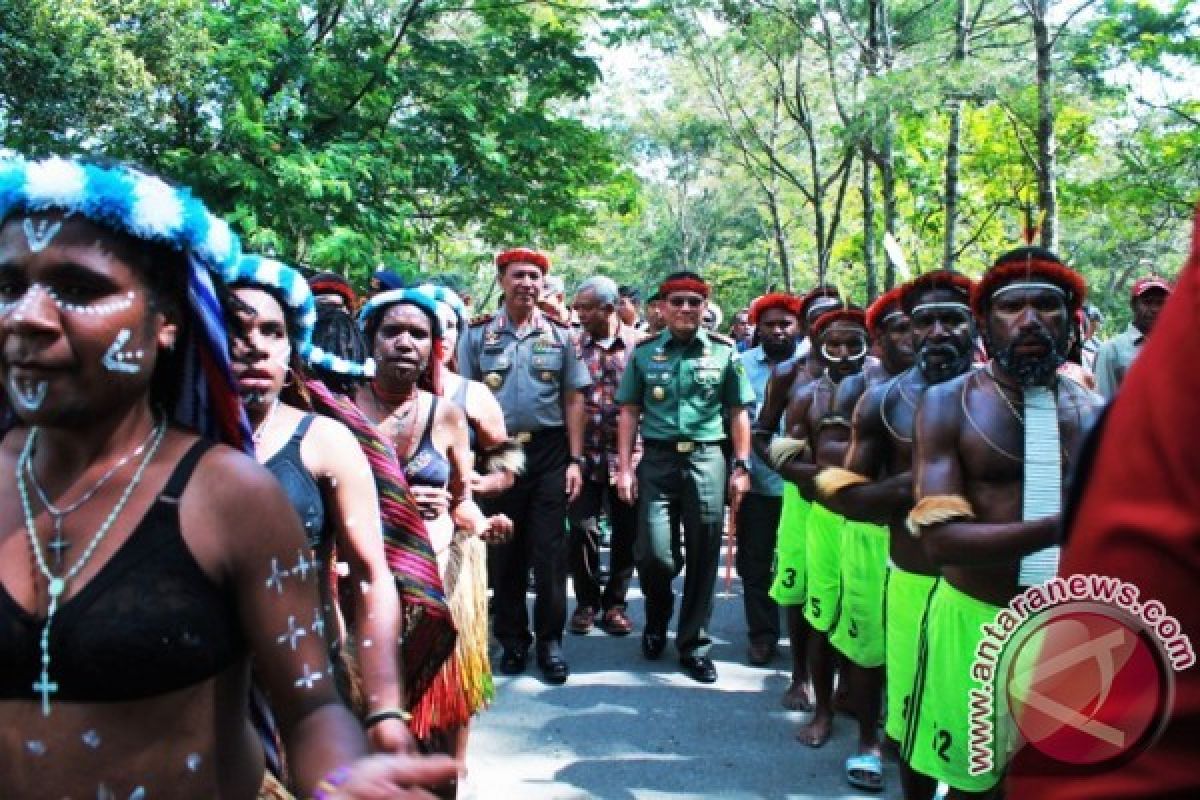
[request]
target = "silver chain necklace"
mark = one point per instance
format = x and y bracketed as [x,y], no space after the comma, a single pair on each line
[57,584]
[256,437]
[57,544]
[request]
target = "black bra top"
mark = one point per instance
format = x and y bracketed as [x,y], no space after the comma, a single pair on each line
[428,467]
[299,485]
[149,622]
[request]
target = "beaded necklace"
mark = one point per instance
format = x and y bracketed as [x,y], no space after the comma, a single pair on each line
[57,584]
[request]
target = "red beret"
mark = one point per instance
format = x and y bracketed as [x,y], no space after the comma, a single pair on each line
[946,279]
[855,316]
[523,255]
[786,302]
[1028,264]
[883,306]
[332,283]
[1149,283]
[683,285]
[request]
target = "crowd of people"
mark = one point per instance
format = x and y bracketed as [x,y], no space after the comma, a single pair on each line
[254,518]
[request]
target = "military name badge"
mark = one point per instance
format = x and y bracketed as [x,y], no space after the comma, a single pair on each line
[493,380]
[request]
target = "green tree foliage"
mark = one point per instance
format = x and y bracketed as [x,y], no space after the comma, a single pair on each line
[338,133]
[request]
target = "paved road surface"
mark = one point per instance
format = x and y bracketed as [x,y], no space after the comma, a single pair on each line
[625,728]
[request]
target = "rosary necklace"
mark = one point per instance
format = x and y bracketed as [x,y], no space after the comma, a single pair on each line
[58,545]
[266,423]
[57,584]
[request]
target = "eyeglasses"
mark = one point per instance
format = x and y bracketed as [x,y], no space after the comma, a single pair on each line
[681,301]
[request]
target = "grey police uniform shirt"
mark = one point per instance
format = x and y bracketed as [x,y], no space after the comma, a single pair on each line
[527,372]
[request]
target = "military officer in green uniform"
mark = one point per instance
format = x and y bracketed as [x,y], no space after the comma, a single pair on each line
[529,362]
[676,386]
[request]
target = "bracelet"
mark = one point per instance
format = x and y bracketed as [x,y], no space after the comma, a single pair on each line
[327,786]
[382,714]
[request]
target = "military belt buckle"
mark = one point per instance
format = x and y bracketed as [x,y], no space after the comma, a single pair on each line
[685,447]
[524,437]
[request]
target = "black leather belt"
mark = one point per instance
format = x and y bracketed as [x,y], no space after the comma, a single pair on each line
[680,446]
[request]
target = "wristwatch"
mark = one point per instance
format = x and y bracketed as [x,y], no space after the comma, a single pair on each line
[579,461]
[742,464]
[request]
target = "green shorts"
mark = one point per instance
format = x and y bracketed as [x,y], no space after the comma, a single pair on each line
[823,562]
[905,600]
[788,587]
[938,740]
[858,634]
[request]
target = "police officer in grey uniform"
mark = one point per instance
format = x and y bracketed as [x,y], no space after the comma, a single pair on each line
[528,361]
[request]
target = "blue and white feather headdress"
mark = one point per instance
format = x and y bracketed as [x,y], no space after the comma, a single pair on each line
[295,292]
[447,297]
[384,300]
[146,207]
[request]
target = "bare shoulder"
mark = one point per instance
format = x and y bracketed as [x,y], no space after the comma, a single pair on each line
[449,413]
[328,432]
[480,320]
[941,403]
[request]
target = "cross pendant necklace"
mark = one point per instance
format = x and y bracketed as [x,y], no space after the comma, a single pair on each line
[58,545]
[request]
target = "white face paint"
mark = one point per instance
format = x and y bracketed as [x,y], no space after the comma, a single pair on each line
[28,394]
[18,306]
[39,235]
[118,359]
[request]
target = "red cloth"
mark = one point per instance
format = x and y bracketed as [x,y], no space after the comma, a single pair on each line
[1139,520]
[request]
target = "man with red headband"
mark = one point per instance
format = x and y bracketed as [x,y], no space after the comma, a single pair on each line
[528,361]
[675,387]
[788,586]
[1113,358]
[331,289]
[840,345]
[776,318]
[992,447]
[875,486]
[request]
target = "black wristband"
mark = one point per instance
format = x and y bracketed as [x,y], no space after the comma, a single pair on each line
[377,717]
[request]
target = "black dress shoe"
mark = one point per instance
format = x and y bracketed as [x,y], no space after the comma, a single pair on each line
[554,666]
[653,645]
[512,661]
[699,668]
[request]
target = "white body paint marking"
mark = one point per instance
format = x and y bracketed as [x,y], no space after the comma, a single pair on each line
[39,235]
[308,678]
[292,634]
[117,359]
[30,396]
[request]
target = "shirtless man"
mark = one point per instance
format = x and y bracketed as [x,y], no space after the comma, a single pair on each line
[876,486]
[991,449]
[788,587]
[857,634]
[840,343]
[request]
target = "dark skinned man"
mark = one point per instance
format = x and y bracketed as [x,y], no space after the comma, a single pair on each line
[787,589]
[857,635]
[991,450]
[840,343]
[1114,357]
[777,319]
[876,482]
[675,387]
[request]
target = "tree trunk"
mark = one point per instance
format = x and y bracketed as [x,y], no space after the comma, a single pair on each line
[950,247]
[785,264]
[1047,158]
[868,201]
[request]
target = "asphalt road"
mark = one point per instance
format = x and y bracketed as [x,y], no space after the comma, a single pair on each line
[624,728]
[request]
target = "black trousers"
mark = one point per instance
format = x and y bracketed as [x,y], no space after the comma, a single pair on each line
[537,505]
[757,526]
[593,500]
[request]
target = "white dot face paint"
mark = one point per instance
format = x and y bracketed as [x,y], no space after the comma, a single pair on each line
[292,635]
[36,747]
[28,394]
[118,359]
[91,738]
[193,762]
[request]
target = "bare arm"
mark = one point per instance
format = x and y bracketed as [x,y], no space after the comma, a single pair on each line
[627,425]
[774,405]
[939,474]
[875,501]
[451,432]
[357,529]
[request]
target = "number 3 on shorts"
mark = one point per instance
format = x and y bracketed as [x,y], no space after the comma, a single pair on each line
[789,578]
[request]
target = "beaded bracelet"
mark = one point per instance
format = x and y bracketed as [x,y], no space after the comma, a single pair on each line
[328,786]
[386,713]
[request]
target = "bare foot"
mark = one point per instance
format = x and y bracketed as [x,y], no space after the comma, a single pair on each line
[798,697]
[818,730]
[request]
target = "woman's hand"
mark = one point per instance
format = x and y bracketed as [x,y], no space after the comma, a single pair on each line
[395,777]
[431,501]
[391,736]
[499,529]
[491,484]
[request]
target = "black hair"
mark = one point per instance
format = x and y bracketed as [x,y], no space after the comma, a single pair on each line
[631,292]
[336,332]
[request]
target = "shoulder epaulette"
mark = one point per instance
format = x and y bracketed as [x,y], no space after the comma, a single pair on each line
[646,339]
[482,319]
[555,320]
[722,338]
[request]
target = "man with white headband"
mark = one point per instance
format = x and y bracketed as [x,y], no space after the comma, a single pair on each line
[875,486]
[992,447]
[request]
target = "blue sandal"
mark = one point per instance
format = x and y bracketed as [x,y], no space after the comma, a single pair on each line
[865,771]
